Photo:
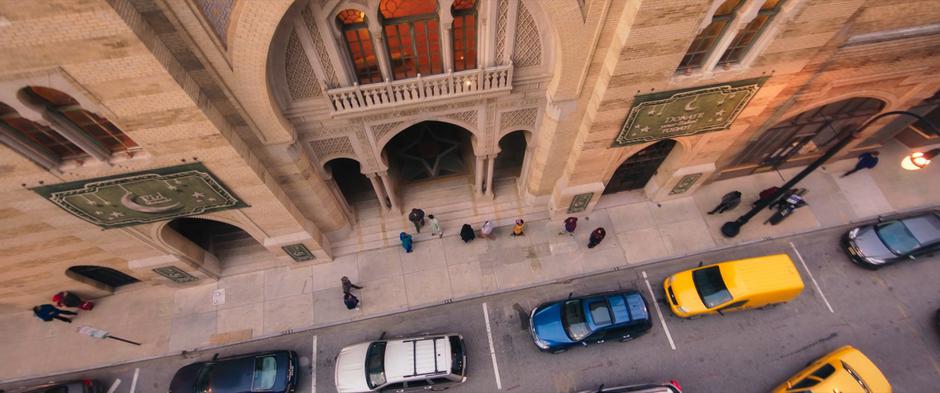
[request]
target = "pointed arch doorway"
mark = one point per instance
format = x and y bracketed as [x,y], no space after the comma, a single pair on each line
[234,249]
[637,170]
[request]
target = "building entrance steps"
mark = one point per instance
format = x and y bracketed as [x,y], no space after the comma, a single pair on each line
[168,320]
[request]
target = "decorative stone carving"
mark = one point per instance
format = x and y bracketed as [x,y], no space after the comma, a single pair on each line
[527,50]
[379,130]
[502,10]
[580,202]
[322,54]
[469,117]
[175,274]
[685,183]
[301,79]
[518,119]
[417,111]
[330,146]
[217,13]
[298,252]
[366,147]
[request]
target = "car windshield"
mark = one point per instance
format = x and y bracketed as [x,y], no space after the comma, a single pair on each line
[897,237]
[375,364]
[204,380]
[572,318]
[711,288]
[265,373]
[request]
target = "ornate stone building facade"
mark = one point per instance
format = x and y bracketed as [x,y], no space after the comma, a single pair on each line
[167,142]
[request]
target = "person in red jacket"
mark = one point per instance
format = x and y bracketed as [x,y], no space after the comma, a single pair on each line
[71,300]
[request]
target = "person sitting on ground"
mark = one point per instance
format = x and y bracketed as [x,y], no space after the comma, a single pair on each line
[466,233]
[48,312]
[596,236]
[728,201]
[486,230]
[519,228]
[406,242]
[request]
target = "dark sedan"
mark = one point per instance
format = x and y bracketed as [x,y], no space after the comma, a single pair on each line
[592,319]
[83,386]
[876,245]
[258,372]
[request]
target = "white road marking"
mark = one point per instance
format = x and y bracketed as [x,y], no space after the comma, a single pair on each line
[659,311]
[114,386]
[815,284]
[134,381]
[489,336]
[313,367]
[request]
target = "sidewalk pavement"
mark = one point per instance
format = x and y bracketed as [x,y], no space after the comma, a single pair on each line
[271,302]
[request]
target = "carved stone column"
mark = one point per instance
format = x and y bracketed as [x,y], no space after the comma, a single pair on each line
[378,45]
[379,191]
[478,175]
[390,192]
[489,175]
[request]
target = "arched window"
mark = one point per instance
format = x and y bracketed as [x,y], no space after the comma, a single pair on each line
[98,128]
[412,37]
[37,136]
[747,35]
[101,275]
[706,40]
[355,30]
[464,34]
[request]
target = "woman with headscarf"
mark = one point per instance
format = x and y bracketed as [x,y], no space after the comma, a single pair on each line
[596,237]
[406,241]
[466,233]
[487,230]
[519,228]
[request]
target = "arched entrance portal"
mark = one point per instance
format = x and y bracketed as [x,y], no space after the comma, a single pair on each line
[100,276]
[512,149]
[355,187]
[808,133]
[637,170]
[428,150]
[236,250]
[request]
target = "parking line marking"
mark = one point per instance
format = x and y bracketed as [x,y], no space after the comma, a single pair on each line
[134,381]
[313,367]
[659,311]
[114,386]
[815,284]
[489,336]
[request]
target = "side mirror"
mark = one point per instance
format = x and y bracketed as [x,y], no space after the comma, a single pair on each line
[600,389]
[570,294]
[382,336]
[700,263]
[881,219]
[720,312]
[214,357]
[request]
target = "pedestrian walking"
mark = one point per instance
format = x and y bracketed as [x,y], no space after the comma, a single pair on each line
[71,300]
[406,242]
[519,228]
[348,285]
[729,201]
[466,233]
[435,226]
[596,236]
[865,161]
[570,224]
[486,230]
[48,312]
[416,217]
[351,301]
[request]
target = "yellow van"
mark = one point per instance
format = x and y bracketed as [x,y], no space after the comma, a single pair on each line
[735,285]
[844,370]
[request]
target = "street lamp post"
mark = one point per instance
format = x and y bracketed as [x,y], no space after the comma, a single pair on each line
[732,228]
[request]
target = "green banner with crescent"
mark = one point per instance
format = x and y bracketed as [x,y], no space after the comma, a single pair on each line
[685,112]
[143,197]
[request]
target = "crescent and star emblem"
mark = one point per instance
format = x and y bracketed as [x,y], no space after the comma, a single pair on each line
[128,201]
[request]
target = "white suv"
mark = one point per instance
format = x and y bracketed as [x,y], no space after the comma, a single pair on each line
[433,362]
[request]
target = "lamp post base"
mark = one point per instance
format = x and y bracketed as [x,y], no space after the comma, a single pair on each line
[731,228]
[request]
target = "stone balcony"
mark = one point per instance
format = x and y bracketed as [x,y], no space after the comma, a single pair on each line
[389,94]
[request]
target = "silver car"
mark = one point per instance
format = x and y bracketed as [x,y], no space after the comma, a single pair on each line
[873,246]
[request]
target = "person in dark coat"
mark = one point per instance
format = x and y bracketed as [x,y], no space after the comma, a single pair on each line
[348,285]
[406,242]
[765,195]
[351,301]
[596,236]
[416,217]
[48,312]
[728,201]
[571,223]
[466,233]
[865,161]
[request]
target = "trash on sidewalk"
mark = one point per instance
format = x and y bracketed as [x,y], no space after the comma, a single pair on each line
[101,334]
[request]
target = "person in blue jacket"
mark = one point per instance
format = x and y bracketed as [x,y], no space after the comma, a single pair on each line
[48,312]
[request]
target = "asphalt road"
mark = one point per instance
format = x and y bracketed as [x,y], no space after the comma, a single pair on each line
[887,314]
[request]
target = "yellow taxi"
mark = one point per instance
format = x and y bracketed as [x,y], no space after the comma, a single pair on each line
[733,285]
[845,370]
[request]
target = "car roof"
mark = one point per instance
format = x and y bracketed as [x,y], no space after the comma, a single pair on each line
[413,357]
[625,307]
[925,228]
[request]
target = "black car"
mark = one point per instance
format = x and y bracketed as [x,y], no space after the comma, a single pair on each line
[83,386]
[274,371]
